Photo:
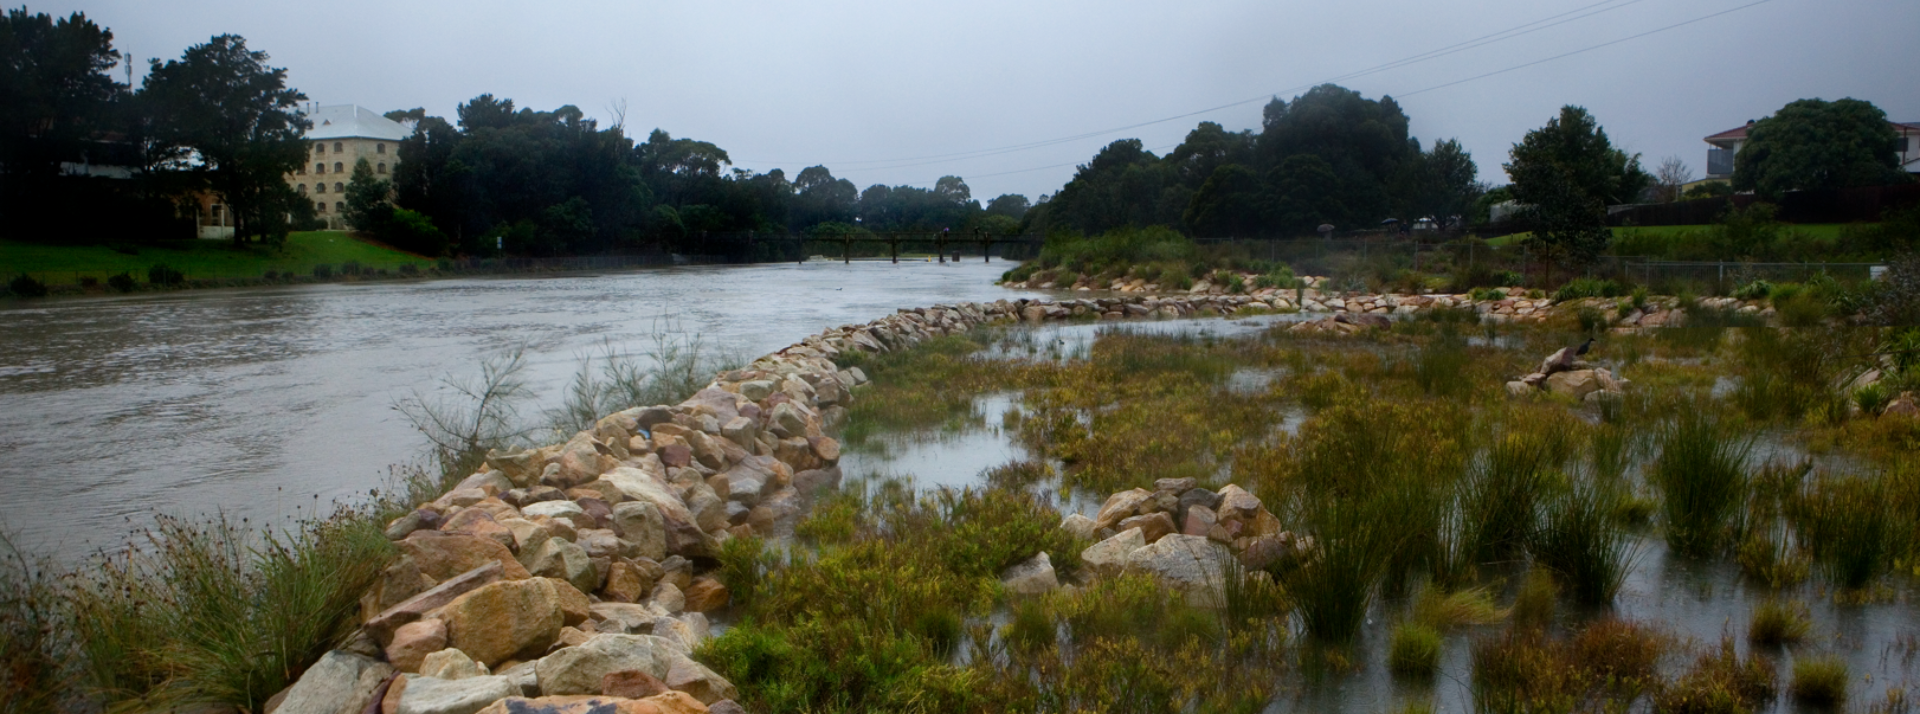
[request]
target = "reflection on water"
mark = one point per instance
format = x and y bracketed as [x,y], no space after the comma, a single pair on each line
[259,401]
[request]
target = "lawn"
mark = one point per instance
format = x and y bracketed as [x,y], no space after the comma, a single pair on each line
[1820,231]
[198,259]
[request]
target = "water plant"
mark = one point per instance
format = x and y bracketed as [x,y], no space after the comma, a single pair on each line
[1581,542]
[1820,680]
[1777,622]
[1701,473]
[1848,524]
[1719,681]
[1414,650]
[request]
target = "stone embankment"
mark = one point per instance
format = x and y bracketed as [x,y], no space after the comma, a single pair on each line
[574,578]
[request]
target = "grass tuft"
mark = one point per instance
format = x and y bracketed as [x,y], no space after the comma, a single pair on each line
[1820,681]
[1778,623]
[1415,651]
[1702,473]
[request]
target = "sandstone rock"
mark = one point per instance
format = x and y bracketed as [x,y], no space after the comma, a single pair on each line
[725,706]
[413,521]
[1200,521]
[412,642]
[451,664]
[696,680]
[626,582]
[1902,406]
[581,669]
[1080,526]
[624,618]
[478,523]
[706,594]
[504,619]
[787,420]
[1574,384]
[521,468]
[632,684]
[1174,486]
[557,558]
[1121,506]
[1199,497]
[554,509]
[641,523]
[415,694]
[1152,526]
[1109,557]
[434,597]
[1032,577]
[1237,504]
[442,556]
[1191,564]
[1518,388]
[340,683]
[575,608]
[668,598]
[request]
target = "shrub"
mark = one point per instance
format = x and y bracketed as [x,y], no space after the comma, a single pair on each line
[323,271]
[162,274]
[1820,681]
[1847,522]
[1487,294]
[351,267]
[1872,398]
[1756,290]
[122,282]
[409,269]
[1445,611]
[1415,650]
[1777,623]
[1583,545]
[26,286]
[1578,288]
[32,671]
[1719,681]
[1534,606]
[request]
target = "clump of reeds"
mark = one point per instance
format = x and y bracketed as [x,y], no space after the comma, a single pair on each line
[1502,494]
[33,669]
[1820,681]
[1444,611]
[1702,474]
[1777,623]
[1534,605]
[1582,544]
[215,611]
[1847,522]
[1414,650]
[1719,681]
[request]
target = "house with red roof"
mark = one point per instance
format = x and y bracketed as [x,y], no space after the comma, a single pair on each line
[1727,143]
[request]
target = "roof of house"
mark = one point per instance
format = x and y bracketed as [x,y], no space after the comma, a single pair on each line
[1740,133]
[351,121]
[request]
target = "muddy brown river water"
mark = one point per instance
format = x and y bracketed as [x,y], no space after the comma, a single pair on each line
[262,402]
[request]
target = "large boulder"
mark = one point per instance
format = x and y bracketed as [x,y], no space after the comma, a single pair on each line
[1574,384]
[505,619]
[581,669]
[434,598]
[340,683]
[641,523]
[1109,557]
[698,681]
[1121,506]
[1031,577]
[556,558]
[412,642]
[1236,504]
[1192,564]
[415,694]
[1153,526]
[445,555]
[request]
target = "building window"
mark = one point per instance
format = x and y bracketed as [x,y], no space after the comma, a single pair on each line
[319,188]
[336,147]
[379,148]
[320,148]
[339,188]
[320,206]
[1900,145]
[339,207]
[319,168]
[382,168]
[339,168]
[303,189]
[216,214]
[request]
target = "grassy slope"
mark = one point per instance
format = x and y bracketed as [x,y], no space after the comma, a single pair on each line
[200,259]
[1823,231]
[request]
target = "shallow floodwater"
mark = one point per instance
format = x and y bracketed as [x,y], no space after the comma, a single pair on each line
[1698,602]
[260,402]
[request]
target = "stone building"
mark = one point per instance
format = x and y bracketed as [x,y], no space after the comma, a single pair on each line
[342,135]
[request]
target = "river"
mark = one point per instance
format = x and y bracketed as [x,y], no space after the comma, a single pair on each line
[265,403]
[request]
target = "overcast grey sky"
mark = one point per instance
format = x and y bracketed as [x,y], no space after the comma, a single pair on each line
[871,88]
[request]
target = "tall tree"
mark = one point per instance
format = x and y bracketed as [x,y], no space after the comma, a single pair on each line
[1668,177]
[1569,173]
[54,90]
[369,199]
[1815,144]
[222,116]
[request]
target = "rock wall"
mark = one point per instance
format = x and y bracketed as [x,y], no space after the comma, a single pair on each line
[575,575]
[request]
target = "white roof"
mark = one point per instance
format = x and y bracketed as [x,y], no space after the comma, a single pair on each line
[351,121]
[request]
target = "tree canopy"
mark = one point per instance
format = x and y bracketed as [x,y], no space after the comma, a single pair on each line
[1816,144]
[1329,156]
[1569,172]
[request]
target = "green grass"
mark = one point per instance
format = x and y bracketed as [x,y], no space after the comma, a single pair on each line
[199,259]
[1415,651]
[1820,681]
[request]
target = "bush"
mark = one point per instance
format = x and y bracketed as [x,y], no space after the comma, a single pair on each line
[1415,651]
[1719,682]
[1487,294]
[351,268]
[409,269]
[1848,523]
[162,274]
[26,286]
[1777,623]
[1757,290]
[1820,681]
[122,282]
[323,271]
[1588,288]
[1702,472]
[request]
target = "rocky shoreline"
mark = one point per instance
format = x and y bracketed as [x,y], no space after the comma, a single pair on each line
[575,577]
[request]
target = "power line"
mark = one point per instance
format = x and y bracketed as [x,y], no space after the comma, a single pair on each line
[1525,65]
[1587,49]
[1483,40]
